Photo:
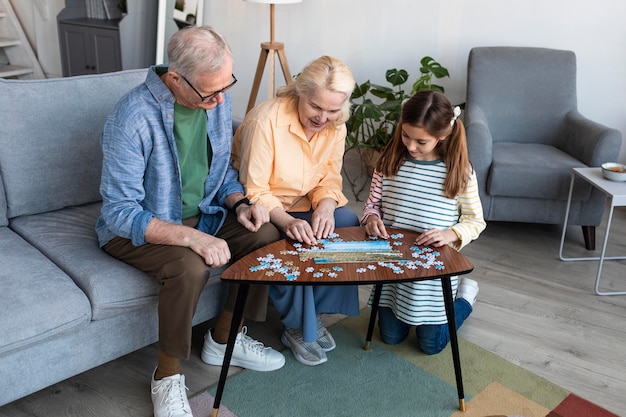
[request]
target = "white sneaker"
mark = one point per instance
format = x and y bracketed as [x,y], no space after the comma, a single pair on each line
[468,290]
[248,353]
[169,397]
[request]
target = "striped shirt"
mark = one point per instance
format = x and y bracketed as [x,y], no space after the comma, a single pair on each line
[414,199]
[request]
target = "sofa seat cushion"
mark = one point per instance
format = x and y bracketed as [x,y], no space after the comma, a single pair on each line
[3,205]
[68,238]
[38,300]
[533,170]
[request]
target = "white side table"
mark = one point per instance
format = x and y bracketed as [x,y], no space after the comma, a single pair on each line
[616,193]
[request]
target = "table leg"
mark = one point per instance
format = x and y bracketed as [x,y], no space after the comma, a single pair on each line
[602,256]
[370,328]
[454,344]
[242,295]
[569,204]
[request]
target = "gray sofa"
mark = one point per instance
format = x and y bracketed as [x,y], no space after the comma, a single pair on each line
[65,305]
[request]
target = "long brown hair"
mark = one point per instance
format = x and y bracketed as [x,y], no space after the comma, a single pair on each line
[433,112]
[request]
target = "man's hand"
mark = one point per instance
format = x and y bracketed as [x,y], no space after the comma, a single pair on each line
[213,250]
[252,217]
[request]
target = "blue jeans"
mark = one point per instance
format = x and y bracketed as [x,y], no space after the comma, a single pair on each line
[432,338]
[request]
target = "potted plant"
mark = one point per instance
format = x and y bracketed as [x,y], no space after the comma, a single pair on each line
[375,112]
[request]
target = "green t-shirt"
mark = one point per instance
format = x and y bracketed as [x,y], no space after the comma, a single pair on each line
[194,155]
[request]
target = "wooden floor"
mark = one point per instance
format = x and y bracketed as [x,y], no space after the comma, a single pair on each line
[533,309]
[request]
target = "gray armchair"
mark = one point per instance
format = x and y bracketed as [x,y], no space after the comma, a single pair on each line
[525,135]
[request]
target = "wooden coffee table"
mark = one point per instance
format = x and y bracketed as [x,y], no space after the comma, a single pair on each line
[279,264]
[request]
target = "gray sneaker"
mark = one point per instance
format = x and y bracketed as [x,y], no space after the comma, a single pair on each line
[324,339]
[308,353]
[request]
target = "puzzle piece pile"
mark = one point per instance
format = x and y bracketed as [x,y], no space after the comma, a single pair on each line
[421,258]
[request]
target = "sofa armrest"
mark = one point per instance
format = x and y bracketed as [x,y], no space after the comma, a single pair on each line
[479,143]
[588,141]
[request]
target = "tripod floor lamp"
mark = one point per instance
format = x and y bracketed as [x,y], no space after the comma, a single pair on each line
[269,50]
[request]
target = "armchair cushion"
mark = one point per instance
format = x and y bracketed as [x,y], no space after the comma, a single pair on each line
[522,170]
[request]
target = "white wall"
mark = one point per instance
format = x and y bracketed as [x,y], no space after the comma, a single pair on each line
[374,35]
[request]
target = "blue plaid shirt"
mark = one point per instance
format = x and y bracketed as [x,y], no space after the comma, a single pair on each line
[140,169]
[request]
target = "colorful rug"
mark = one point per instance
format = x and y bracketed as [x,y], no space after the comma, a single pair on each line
[393,381]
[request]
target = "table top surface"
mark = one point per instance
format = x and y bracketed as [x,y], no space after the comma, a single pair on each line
[280,262]
[611,188]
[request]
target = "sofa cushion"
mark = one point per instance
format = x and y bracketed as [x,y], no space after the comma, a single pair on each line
[50,155]
[69,239]
[545,170]
[38,300]
[3,206]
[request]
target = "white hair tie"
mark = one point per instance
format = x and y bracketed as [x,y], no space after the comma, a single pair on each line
[457,113]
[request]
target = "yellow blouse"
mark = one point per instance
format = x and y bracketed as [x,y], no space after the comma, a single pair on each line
[279,167]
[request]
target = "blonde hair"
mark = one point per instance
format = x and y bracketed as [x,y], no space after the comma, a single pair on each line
[327,72]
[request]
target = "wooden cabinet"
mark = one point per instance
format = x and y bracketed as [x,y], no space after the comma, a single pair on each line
[93,46]
[89,46]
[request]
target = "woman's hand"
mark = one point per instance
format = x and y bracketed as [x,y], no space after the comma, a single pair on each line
[374,227]
[300,230]
[296,229]
[323,219]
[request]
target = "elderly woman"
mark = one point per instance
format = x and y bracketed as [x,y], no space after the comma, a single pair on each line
[289,152]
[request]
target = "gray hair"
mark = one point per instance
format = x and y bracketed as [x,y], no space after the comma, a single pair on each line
[197,49]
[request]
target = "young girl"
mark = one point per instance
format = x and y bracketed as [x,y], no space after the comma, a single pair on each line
[423,181]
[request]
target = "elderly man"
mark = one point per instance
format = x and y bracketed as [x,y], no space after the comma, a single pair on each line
[174,208]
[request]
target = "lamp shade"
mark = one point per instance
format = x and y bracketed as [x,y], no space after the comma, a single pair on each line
[274,1]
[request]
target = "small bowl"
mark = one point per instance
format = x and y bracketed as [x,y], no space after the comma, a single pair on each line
[614,172]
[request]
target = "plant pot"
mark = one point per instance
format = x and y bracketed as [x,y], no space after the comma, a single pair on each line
[369,156]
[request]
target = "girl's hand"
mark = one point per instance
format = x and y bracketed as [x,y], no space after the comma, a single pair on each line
[436,237]
[374,227]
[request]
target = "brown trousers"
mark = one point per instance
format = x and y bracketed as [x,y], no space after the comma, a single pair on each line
[182,275]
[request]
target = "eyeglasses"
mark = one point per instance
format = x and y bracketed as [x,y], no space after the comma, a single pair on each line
[213,94]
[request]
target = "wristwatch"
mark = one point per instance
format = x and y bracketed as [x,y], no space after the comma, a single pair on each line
[240,202]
